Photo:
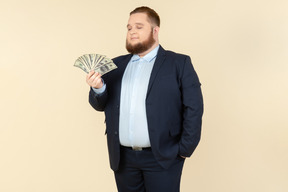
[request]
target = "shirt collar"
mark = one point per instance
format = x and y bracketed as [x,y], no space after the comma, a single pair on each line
[148,57]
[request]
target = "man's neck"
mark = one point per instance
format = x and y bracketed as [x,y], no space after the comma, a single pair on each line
[148,51]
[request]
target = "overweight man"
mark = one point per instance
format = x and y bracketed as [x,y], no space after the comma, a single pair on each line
[153,109]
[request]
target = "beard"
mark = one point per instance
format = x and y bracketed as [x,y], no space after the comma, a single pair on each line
[142,46]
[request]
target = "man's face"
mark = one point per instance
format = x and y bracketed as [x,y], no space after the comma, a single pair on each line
[140,36]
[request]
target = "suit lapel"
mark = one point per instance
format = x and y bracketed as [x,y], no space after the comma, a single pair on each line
[157,65]
[122,66]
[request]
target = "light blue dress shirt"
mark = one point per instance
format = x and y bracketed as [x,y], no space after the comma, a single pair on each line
[133,128]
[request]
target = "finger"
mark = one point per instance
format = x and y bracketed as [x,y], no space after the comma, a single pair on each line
[97,74]
[97,83]
[92,72]
[90,78]
[95,78]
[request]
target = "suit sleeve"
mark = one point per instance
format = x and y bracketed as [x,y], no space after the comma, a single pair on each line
[192,109]
[98,101]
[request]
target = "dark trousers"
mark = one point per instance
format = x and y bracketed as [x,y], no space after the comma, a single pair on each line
[140,172]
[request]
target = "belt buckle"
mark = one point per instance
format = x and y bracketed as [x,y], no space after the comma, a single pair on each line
[137,148]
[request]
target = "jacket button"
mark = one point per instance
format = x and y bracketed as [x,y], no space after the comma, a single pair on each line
[115,132]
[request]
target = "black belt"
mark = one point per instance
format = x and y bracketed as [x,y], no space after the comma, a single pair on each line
[136,148]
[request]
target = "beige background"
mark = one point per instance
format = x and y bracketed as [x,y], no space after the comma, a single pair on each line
[51,140]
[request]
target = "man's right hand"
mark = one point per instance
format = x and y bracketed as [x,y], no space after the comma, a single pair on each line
[94,80]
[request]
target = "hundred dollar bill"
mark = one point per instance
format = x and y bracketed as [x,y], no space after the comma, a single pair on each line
[96,62]
[81,66]
[105,68]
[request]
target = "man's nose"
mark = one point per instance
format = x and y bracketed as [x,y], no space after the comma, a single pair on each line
[132,31]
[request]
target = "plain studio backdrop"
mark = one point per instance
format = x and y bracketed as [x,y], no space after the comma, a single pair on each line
[51,140]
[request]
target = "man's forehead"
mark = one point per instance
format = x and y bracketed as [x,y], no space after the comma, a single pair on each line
[138,18]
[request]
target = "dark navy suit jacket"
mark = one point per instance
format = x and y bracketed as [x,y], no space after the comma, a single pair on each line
[174,107]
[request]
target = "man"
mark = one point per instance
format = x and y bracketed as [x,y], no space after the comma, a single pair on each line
[153,107]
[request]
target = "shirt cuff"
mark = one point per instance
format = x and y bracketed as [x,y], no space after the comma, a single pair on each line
[100,90]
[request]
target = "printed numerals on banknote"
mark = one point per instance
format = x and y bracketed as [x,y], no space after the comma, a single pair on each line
[98,63]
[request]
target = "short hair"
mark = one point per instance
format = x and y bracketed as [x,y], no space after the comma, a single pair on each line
[151,14]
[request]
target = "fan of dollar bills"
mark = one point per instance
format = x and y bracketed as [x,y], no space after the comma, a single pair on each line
[98,63]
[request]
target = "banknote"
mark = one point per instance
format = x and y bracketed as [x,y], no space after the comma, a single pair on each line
[97,62]
[105,68]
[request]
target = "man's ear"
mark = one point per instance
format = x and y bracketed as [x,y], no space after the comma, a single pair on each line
[156,30]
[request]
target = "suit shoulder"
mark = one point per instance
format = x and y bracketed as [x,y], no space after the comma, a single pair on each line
[121,58]
[176,55]
[178,58]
